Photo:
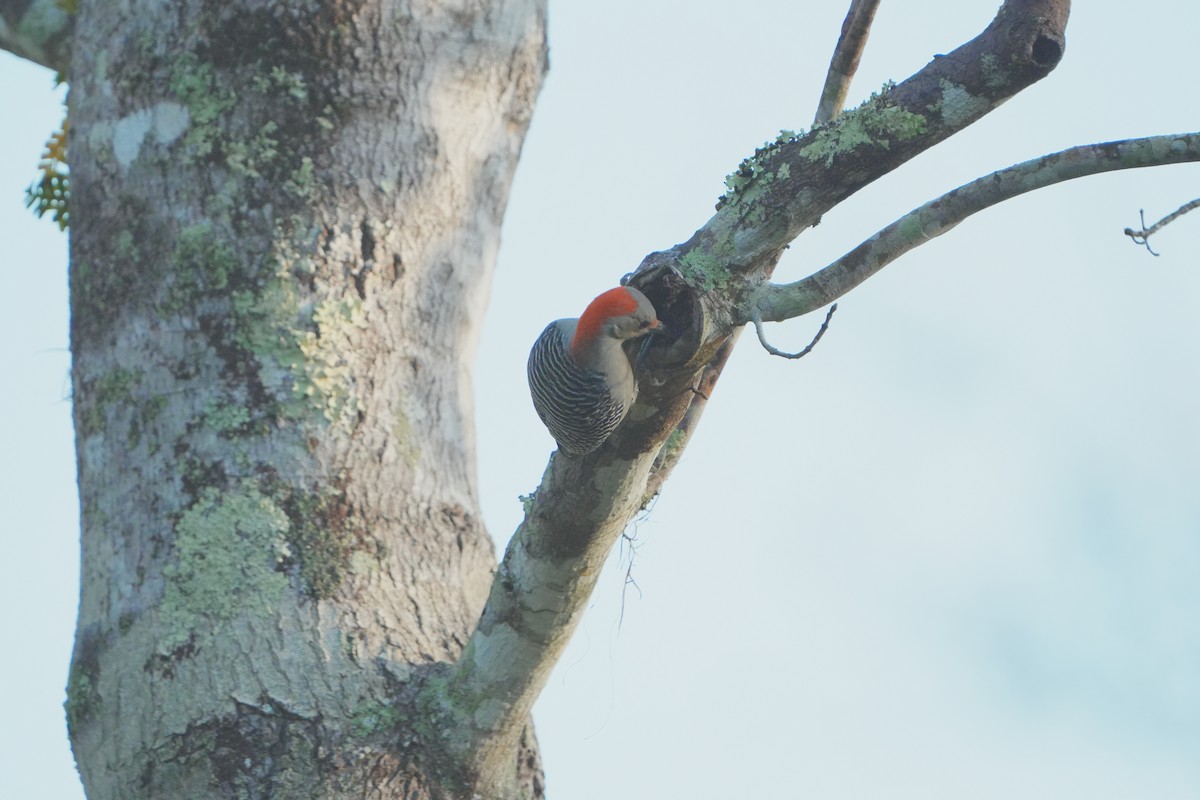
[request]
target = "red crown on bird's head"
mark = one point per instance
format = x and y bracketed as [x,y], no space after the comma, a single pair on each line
[614,303]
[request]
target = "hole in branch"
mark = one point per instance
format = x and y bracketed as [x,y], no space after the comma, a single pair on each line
[1046,51]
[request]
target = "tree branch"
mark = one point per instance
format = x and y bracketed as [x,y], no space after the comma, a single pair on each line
[842,67]
[668,456]
[1143,236]
[844,63]
[39,30]
[790,183]
[582,506]
[540,591]
[778,302]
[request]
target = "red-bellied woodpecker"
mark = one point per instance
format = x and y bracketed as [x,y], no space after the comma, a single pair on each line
[579,375]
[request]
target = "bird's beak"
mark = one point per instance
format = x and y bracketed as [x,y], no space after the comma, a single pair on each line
[654,327]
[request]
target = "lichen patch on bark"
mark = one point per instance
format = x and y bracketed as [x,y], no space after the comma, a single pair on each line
[229,550]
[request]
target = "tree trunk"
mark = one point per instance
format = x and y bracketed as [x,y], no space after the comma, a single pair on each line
[285,219]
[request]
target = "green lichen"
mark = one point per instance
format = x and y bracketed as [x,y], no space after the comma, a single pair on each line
[250,157]
[436,697]
[705,270]
[153,408]
[301,182]
[959,106]
[292,83]
[229,547]
[298,351]
[99,136]
[269,140]
[272,335]
[93,517]
[706,263]
[671,447]
[227,419]
[113,388]
[116,385]
[372,717]
[325,120]
[362,563]
[197,474]
[752,176]
[82,698]
[994,77]
[402,439]
[196,87]
[877,123]
[1130,158]
[325,540]
[125,247]
[325,378]
[203,264]
[267,324]
[911,229]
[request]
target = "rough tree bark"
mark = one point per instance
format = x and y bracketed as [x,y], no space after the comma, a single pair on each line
[287,217]
[284,220]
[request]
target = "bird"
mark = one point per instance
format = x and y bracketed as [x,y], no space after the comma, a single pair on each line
[579,375]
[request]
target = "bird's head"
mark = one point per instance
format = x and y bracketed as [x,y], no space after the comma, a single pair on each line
[620,313]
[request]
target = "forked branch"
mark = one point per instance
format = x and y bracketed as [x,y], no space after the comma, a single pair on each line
[572,521]
[842,67]
[776,302]
[1143,236]
[788,184]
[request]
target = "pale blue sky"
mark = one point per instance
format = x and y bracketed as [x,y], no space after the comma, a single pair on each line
[953,553]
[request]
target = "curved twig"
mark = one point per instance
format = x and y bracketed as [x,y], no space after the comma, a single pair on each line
[762,337]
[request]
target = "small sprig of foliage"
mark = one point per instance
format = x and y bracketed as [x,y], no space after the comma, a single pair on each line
[49,194]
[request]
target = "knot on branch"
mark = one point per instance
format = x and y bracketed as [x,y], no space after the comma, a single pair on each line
[1142,237]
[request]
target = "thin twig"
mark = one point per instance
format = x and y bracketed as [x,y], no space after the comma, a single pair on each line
[762,338]
[844,62]
[1142,237]
[631,540]
[629,579]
